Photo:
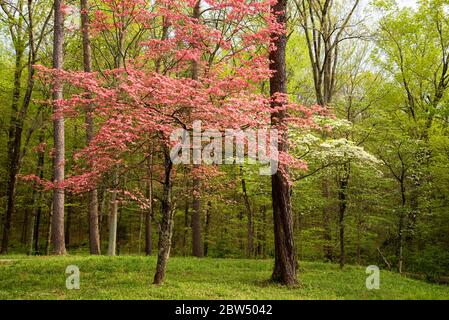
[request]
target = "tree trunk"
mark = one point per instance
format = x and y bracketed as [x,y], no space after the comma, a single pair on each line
[36,230]
[400,250]
[36,198]
[32,223]
[58,134]
[166,227]
[26,217]
[94,230]
[37,210]
[113,206]
[342,198]
[92,196]
[285,256]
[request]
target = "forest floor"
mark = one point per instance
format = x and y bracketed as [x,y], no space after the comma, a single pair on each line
[129,277]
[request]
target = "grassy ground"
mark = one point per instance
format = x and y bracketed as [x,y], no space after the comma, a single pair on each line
[189,278]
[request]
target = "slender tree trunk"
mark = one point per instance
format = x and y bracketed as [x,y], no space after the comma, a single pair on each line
[37,197]
[342,197]
[166,227]
[92,196]
[58,132]
[400,250]
[37,229]
[36,205]
[26,217]
[37,210]
[32,223]
[113,215]
[285,256]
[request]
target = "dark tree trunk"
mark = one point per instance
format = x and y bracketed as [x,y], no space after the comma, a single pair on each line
[342,198]
[166,227]
[26,217]
[400,250]
[57,228]
[36,229]
[285,256]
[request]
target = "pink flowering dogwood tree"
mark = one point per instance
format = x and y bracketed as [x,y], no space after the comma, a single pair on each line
[143,100]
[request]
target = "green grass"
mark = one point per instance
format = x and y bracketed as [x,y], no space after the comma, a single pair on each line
[130,277]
